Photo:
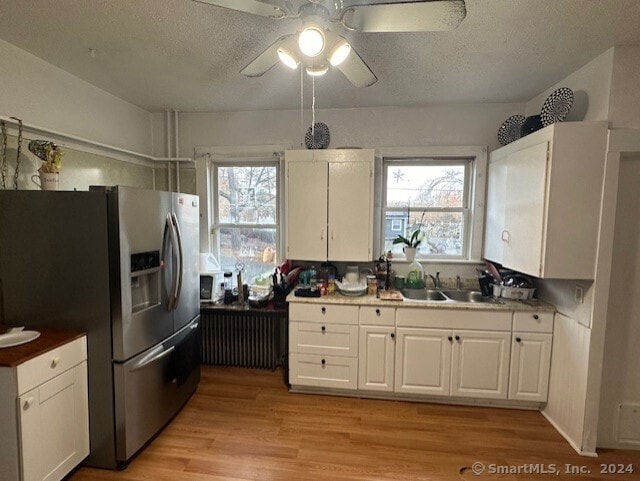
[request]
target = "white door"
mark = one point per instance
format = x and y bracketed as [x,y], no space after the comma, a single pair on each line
[376,358]
[525,209]
[480,364]
[306,209]
[350,210]
[530,361]
[54,426]
[495,223]
[423,361]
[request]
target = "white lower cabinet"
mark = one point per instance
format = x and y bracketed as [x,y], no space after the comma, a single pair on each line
[530,364]
[422,351]
[480,364]
[323,345]
[45,414]
[376,359]
[423,361]
[53,426]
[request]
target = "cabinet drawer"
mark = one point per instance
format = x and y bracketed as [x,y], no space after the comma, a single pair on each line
[323,313]
[455,319]
[533,321]
[48,365]
[323,371]
[323,338]
[377,316]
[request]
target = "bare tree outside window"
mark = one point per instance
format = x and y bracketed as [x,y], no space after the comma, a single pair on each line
[247,217]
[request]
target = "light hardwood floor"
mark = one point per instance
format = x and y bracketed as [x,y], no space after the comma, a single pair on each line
[243,425]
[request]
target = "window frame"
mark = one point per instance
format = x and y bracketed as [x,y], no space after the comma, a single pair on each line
[206,156]
[475,185]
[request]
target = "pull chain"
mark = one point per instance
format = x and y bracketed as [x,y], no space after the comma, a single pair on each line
[3,154]
[301,108]
[15,177]
[313,109]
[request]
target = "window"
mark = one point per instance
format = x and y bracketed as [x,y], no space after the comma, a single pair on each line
[246,215]
[432,196]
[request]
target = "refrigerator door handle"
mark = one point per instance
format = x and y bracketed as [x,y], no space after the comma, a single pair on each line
[180,270]
[174,261]
[166,239]
[152,357]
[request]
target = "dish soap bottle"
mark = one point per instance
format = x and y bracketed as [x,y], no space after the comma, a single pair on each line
[415,276]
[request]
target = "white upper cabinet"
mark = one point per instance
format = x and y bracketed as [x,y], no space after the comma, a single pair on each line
[329,204]
[543,201]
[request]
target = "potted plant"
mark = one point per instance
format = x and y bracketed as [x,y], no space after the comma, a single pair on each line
[412,240]
[48,172]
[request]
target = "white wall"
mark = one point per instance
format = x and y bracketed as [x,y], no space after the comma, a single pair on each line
[465,124]
[625,96]
[591,85]
[46,96]
[620,380]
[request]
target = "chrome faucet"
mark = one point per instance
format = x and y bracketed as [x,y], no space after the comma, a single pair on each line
[458,283]
[436,280]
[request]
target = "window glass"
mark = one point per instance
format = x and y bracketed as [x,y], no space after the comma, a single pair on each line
[431,197]
[246,228]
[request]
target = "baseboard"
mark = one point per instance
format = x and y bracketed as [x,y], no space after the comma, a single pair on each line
[495,403]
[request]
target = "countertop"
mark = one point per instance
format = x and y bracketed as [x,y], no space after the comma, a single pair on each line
[369,300]
[49,339]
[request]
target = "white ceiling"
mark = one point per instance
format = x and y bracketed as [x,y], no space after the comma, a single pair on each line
[186,55]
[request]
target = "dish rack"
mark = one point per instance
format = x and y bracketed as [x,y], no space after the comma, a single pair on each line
[520,293]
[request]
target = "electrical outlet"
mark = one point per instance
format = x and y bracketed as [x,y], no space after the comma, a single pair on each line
[578,296]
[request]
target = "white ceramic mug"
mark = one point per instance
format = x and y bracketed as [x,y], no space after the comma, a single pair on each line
[48,180]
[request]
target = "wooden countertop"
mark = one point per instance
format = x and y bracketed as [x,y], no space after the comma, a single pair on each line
[49,339]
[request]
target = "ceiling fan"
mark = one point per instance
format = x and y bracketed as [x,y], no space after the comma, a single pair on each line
[317,44]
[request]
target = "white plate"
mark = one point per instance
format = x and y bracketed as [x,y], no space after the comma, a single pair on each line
[17,338]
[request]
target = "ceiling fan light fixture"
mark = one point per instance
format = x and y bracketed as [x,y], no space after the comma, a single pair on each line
[317,71]
[311,41]
[288,58]
[339,53]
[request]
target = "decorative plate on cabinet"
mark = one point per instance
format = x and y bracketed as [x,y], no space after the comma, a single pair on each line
[510,129]
[317,137]
[557,106]
[530,125]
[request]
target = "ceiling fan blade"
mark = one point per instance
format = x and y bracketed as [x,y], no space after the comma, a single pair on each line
[266,60]
[357,71]
[249,6]
[425,16]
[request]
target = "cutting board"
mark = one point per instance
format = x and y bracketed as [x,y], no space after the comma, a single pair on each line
[390,296]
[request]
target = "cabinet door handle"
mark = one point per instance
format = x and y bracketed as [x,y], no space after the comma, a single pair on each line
[324,362]
[450,338]
[505,236]
[324,310]
[518,339]
[377,312]
[393,336]
[457,338]
[27,403]
[323,328]
[322,234]
[54,362]
[331,234]
[536,317]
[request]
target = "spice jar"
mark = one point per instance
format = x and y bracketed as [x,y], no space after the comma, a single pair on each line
[372,285]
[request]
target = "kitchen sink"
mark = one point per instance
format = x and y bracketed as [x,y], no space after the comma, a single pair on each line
[451,295]
[468,296]
[423,295]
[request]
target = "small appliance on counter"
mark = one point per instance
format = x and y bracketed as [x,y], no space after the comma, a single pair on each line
[210,278]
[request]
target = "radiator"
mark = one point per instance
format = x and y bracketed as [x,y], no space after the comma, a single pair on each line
[244,338]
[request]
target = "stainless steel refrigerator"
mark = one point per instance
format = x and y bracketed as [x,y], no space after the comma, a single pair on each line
[120,264]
